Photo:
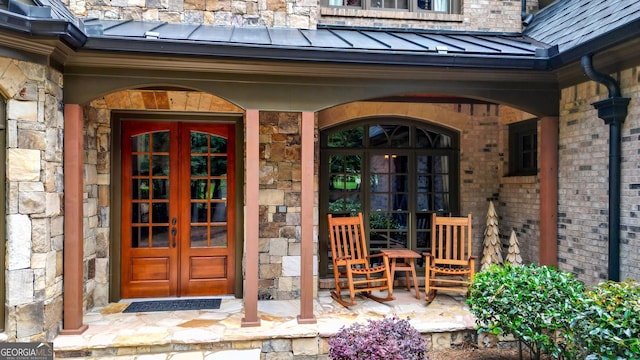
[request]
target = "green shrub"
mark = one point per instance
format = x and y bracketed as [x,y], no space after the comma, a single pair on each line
[533,303]
[608,321]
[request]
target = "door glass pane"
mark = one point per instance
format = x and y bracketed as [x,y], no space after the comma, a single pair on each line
[199,212]
[199,165]
[218,189]
[139,236]
[160,188]
[140,213]
[398,239]
[379,183]
[379,202]
[218,236]
[379,163]
[400,202]
[424,202]
[199,236]
[140,165]
[423,183]
[160,141]
[218,145]
[340,203]
[140,189]
[219,212]
[160,236]
[160,165]
[140,143]
[199,188]
[160,213]
[218,166]
[199,143]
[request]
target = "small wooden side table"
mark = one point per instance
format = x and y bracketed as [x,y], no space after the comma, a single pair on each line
[404,260]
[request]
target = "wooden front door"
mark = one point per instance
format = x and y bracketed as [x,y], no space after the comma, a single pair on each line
[178,211]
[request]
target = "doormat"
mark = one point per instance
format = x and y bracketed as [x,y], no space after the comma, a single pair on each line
[173,305]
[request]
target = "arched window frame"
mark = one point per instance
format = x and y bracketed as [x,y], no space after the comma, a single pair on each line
[416,222]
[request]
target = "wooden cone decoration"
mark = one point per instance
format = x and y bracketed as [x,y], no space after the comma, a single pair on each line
[492,253]
[513,254]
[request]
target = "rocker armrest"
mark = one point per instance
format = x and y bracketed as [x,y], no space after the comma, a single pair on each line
[377,255]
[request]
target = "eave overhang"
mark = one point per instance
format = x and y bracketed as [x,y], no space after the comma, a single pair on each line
[336,45]
[60,29]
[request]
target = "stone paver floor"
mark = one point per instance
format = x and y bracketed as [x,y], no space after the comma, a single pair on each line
[110,327]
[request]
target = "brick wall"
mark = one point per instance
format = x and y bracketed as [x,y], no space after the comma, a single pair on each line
[583,182]
[520,211]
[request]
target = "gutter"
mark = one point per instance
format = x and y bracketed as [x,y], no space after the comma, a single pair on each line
[613,111]
[71,34]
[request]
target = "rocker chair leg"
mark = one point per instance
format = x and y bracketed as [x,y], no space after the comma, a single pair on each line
[430,295]
[379,299]
[336,296]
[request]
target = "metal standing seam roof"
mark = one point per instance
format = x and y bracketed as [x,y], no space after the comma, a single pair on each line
[389,41]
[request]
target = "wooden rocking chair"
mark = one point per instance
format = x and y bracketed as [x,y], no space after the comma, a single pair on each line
[450,265]
[351,260]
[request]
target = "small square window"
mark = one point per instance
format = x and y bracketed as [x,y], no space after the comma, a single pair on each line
[523,148]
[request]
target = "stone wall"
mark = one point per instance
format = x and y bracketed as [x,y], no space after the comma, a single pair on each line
[477,15]
[583,182]
[280,207]
[97,198]
[33,268]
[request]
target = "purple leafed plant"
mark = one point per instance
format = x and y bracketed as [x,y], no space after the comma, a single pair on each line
[387,339]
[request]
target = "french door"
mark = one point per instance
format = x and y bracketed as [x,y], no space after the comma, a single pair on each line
[177,209]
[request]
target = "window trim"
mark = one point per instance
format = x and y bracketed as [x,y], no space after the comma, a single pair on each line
[454,7]
[517,132]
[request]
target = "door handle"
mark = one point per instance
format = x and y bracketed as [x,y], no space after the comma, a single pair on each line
[174,232]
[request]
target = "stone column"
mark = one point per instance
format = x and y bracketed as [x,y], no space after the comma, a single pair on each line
[73,212]
[251,218]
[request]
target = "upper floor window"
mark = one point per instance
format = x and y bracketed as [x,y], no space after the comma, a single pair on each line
[523,148]
[446,6]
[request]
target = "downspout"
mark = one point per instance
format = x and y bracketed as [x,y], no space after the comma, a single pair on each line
[613,111]
[525,17]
